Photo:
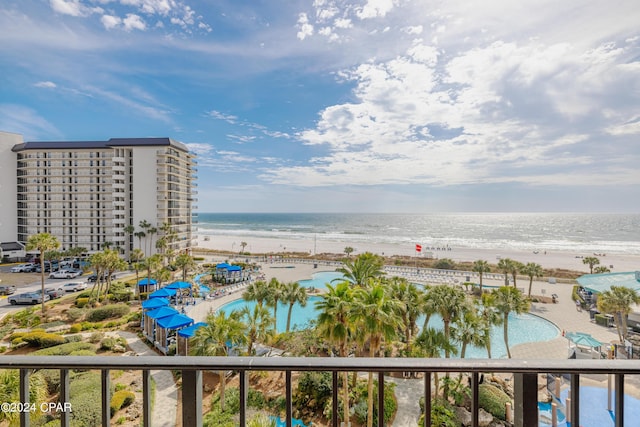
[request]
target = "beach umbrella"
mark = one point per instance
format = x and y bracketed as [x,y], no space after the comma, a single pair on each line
[178,285]
[154,303]
[162,293]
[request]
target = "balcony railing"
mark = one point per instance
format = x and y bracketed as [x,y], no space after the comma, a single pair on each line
[525,374]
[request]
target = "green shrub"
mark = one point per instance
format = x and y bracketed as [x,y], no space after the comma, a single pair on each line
[445,264]
[83,353]
[255,399]
[73,338]
[107,343]
[96,337]
[74,313]
[42,339]
[86,399]
[75,328]
[51,324]
[81,302]
[218,418]
[64,349]
[17,336]
[121,399]
[493,400]
[361,407]
[107,312]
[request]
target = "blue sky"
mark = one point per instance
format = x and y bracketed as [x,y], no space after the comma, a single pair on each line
[346,106]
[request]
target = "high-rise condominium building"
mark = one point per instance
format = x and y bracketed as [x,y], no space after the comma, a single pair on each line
[96,194]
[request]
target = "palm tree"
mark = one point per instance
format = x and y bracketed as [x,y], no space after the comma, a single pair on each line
[98,264]
[334,309]
[151,264]
[242,245]
[185,262]
[617,301]
[220,334]
[376,312]
[447,302]
[481,266]
[362,268]
[490,317]
[257,291]
[257,323]
[532,270]
[293,293]
[467,329]
[276,290]
[601,269]
[591,261]
[506,300]
[128,230]
[430,343]
[348,251]
[113,263]
[151,231]
[514,269]
[43,242]
[505,265]
[140,235]
[409,297]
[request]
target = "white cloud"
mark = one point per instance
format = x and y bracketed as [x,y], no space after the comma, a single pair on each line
[73,8]
[110,22]
[305,29]
[46,84]
[375,9]
[222,116]
[160,7]
[133,22]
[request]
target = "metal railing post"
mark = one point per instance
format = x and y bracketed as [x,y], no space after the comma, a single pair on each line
[525,390]
[243,398]
[575,399]
[334,400]
[192,397]
[146,398]
[381,399]
[106,397]
[619,414]
[427,399]
[289,398]
[24,395]
[475,399]
[64,398]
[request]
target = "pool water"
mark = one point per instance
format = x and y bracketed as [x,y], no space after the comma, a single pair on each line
[523,328]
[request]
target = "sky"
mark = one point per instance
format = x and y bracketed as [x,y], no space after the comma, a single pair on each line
[346,105]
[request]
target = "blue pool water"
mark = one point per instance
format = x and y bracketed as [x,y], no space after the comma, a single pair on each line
[593,409]
[319,280]
[522,328]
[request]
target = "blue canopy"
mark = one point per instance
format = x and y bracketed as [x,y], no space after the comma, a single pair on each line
[162,293]
[174,322]
[145,282]
[234,268]
[154,303]
[179,285]
[190,331]
[222,265]
[583,339]
[161,312]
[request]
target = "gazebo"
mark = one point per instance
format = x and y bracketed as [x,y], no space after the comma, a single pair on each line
[152,317]
[184,335]
[147,285]
[152,304]
[167,324]
[583,346]
[162,293]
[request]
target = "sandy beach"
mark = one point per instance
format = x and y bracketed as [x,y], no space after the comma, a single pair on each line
[548,259]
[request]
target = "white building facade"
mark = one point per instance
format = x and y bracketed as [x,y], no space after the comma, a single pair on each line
[94,194]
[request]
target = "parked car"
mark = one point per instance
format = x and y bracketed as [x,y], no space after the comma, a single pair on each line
[28,298]
[52,292]
[73,287]
[64,274]
[7,290]
[47,267]
[23,268]
[94,277]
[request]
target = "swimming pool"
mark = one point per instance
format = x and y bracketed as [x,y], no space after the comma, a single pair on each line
[523,328]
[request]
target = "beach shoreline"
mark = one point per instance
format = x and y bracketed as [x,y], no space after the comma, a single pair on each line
[547,259]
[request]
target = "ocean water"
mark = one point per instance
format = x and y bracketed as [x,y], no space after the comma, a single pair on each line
[614,233]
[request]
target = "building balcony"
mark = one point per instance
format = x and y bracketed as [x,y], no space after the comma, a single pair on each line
[525,380]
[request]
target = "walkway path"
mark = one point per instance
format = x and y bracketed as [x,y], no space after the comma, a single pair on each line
[166,396]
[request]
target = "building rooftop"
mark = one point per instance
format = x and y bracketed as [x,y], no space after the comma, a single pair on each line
[603,282]
[113,142]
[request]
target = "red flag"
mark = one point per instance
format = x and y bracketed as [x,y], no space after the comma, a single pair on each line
[418,248]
